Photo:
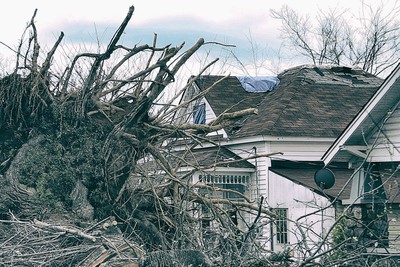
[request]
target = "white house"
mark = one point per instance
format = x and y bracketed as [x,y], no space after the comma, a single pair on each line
[301,112]
[370,147]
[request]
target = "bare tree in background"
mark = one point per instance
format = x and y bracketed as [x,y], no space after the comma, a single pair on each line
[368,40]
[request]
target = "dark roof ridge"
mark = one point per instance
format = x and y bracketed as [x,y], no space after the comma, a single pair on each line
[321,66]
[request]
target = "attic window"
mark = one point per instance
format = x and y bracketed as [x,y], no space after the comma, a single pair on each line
[199,114]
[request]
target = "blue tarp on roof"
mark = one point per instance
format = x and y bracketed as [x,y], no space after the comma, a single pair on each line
[259,84]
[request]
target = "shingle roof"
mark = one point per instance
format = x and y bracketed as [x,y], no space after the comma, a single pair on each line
[202,157]
[227,95]
[309,101]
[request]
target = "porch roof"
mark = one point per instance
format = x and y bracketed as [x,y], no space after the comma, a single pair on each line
[213,156]
[303,173]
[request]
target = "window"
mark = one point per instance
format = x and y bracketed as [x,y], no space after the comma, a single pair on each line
[199,114]
[231,195]
[281,225]
[236,183]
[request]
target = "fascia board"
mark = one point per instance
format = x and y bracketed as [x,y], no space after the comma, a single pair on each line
[263,139]
[297,139]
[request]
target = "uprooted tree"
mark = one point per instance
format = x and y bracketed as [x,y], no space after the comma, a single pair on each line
[85,152]
[92,170]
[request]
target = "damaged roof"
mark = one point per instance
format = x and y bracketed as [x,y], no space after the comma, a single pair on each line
[312,101]
[227,95]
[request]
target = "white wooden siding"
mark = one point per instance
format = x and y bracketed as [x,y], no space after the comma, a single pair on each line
[385,144]
[186,115]
[210,116]
[262,164]
[280,192]
[301,201]
[301,150]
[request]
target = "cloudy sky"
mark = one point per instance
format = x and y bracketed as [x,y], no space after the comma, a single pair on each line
[226,21]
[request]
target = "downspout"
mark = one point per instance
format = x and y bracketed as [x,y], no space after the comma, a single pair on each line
[257,177]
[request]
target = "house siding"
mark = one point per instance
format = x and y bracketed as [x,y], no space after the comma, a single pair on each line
[384,144]
[300,201]
[301,150]
[259,184]
[186,115]
[291,150]
[394,227]
[279,192]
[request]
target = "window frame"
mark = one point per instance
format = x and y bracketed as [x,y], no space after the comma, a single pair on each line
[236,182]
[239,182]
[281,226]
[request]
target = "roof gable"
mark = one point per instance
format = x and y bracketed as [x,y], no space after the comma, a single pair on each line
[227,95]
[371,117]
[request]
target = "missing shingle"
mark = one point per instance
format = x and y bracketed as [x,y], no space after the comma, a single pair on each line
[319,71]
[342,69]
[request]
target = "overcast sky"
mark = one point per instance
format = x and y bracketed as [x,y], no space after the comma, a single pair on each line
[227,21]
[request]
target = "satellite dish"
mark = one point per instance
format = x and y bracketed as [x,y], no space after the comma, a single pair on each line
[324,178]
